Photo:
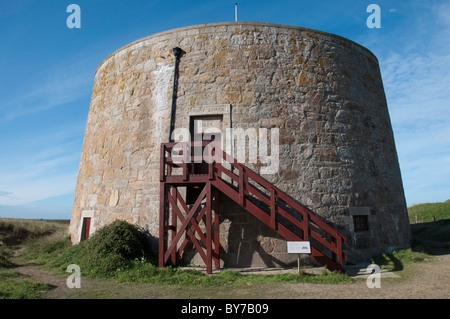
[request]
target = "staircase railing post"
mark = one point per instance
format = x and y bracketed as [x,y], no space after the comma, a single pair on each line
[211,160]
[162,223]
[334,251]
[216,230]
[162,163]
[208,228]
[241,185]
[273,208]
[174,225]
[306,227]
[339,250]
[185,161]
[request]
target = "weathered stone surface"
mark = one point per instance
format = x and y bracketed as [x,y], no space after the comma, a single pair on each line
[322,91]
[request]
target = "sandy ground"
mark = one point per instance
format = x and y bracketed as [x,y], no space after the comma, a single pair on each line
[425,280]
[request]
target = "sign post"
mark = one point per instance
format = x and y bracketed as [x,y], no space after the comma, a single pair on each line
[298,247]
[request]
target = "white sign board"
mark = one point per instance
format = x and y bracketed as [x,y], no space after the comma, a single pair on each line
[298,247]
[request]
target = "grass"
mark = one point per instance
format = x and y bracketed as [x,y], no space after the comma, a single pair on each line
[18,230]
[5,255]
[35,241]
[14,286]
[429,212]
[396,260]
[144,272]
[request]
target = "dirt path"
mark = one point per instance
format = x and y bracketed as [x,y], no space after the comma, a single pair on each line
[37,274]
[424,280]
[90,288]
[429,279]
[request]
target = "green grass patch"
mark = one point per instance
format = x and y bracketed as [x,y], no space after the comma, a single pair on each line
[40,238]
[9,274]
[14,231]
[23,289]
[44,250]
[5,254]
[398,259]
[144,272]
[14,286]
[429,212]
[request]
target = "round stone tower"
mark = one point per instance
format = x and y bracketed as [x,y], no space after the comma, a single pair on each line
[322,92]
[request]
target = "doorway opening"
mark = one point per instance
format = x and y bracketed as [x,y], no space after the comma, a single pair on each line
[86,228]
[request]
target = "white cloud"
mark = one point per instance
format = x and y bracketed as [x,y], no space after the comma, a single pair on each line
[418,93]
[442,14]
[415,66]
[42,165]
[50,92]
[418,86]
[41,188]
[4,193]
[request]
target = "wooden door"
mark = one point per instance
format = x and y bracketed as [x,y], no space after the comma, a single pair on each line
[205,128]
[86,228]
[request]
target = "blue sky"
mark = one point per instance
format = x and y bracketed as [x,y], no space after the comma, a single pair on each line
[48,72]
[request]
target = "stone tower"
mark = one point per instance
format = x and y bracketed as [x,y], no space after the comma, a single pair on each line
[323,92]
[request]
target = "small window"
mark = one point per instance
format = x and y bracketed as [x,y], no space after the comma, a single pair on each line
[361,222]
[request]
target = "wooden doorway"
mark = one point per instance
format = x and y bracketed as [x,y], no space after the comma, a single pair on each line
[86,228]
[202,128]
[206,127]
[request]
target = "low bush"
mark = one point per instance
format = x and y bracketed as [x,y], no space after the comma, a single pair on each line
[112,247]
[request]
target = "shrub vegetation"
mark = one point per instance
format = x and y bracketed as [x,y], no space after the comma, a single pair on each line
[111,248]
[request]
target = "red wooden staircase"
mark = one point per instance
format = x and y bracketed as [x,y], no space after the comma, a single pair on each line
[220,173]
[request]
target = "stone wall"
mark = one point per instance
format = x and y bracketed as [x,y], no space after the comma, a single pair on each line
[323,92]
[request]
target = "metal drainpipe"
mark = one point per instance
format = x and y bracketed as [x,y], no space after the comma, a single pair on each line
[177,53]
